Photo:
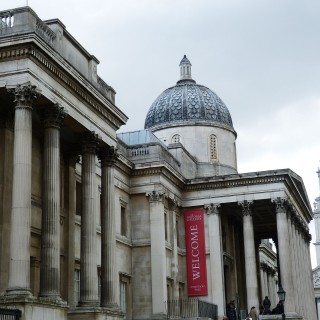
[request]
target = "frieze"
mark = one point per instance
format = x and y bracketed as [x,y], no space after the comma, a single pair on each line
[232,183]
[30,51]
[66,79]
[159,170]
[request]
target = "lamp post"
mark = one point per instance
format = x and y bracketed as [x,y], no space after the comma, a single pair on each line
[282,298]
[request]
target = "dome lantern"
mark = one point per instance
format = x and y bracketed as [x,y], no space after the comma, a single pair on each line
[185,69]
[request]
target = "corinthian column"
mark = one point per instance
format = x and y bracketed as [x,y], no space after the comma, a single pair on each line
[216,262]
[284,254]
[19,267]
[250,255]
[88,259]
[158,252]
[109,277]
[52,118]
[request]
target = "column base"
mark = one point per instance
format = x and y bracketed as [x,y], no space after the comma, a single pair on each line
[53,299]
[288,315]
[18,292]
[112,306]
[86,313]
[159,316]
[34,309]
[88,304]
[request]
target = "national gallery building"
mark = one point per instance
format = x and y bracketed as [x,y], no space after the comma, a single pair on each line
[151,224]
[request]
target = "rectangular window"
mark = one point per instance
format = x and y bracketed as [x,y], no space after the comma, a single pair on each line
[78,198]
[99,283]
[100,211]
[76,286]
[123,221]
[177,232]
[123,296]
[166,226]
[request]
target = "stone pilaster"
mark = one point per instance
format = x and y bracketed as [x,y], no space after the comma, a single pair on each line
[284,254]
[250,255]
[158,253]
[309,276]
[262,288]
[52,118]
[6,170]
[292,245]
[73,159]
[216,256]
[88,260]
[19,267]
[109,273]
[175,260]
[302,289]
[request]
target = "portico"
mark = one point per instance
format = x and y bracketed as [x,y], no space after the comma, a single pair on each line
[56,118]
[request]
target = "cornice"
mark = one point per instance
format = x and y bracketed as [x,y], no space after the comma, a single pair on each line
[159,170]
[30,51]
[224,182]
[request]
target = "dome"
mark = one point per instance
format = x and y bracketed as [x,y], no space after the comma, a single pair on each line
[187,103]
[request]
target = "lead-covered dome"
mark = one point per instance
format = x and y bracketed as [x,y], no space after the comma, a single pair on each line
[187,103]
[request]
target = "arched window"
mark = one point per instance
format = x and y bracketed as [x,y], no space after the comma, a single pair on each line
[175,139]
[213,149]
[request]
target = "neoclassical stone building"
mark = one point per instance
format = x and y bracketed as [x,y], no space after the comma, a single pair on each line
[151,224]
[316,271]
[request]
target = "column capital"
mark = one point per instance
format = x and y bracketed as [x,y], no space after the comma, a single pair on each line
[89,142]
[24,95]
[52,116]
[108,156]
[174,202]
[263,265]
[281,204]
[156,196]
[246,207]
[212,208]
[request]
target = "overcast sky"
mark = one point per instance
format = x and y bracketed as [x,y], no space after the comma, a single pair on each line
[262,58]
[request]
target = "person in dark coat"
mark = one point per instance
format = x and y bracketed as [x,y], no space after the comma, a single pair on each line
[231,310]
[266,304]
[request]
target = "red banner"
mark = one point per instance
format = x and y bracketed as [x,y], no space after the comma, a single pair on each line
[196,253]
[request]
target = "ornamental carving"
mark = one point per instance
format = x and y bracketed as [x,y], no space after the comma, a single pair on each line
[316,278]
[281,204]
[52,116]
[24,95]
[89,142]
[108,156]
[212,208]
[156,196]
[246,207]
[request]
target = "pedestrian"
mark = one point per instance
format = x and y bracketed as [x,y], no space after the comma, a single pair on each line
[267,305]
[253,314]
[231,310]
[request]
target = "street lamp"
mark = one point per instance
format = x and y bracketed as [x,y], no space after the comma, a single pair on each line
[282,298]
[281,294]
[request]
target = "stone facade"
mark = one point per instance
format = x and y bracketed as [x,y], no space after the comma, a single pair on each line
[95,221]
